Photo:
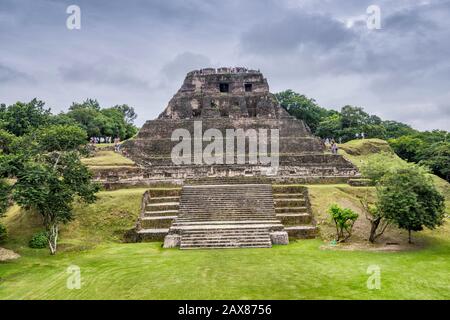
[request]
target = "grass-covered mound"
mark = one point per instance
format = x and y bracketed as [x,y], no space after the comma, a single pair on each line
[105,221]
[106,158]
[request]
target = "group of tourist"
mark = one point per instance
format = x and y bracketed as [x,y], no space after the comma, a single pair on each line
[97,140]
[361,135]
[332,144]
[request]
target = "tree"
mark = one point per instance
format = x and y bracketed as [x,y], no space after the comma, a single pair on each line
[376,217]
[344,219]
[20,117]
[60,138]
[302,108]
[6,141]
[396,129]
[330,127]
[408,198]
[4,196]
[407,147]
[353,117]
[437,158]
[49,185]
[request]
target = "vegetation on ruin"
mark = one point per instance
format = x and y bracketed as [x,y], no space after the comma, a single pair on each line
[105,158]
[430,148]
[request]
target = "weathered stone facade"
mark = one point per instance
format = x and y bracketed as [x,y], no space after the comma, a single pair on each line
[224,99]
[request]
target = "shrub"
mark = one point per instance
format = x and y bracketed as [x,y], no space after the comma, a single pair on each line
[3,233]
[344,219]
[39,240]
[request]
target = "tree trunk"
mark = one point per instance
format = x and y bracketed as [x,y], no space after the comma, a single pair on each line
[52,235]
[373,230]
[409,236]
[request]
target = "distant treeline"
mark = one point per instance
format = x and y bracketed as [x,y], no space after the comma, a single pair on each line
[22,118]
[430,148]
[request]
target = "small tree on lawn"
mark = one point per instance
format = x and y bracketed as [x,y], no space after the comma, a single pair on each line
[49,185]
[409,198]
[344,219]
[376,217]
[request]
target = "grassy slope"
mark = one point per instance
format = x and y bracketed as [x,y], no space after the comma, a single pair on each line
[145,271]
[106,158]
[105,221]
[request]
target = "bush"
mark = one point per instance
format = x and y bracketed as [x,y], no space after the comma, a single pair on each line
[344,219]
[39,240]
[3,233]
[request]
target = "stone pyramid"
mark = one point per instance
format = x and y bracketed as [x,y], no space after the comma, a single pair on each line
[224,99]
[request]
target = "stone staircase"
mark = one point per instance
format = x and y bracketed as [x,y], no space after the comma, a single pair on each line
[226,216]
[159,209]
[293,209]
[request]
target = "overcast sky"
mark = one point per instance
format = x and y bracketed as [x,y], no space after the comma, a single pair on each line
[138,52]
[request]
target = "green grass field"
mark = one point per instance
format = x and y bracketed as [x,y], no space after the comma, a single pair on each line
[302,270]
[298,271]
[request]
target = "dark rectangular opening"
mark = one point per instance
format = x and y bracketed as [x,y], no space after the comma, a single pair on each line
[248,87]
[224,87]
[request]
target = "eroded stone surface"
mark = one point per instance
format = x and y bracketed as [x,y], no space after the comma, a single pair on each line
[246,104]
[279,237]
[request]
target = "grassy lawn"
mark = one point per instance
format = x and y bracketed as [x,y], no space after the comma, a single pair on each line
[298,271]
[104,158]
[302,270]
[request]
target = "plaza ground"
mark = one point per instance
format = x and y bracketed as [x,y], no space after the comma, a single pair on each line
[306,269]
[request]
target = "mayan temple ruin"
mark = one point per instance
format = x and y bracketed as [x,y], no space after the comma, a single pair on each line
[229,204]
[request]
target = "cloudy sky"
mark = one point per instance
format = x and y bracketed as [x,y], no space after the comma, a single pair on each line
[138,52]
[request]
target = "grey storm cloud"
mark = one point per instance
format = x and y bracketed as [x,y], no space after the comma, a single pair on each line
[101,72]
[137,52]
[8,74]
[296,30]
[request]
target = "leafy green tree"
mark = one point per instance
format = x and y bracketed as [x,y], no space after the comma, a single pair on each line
[302,108]
[396,129]
[49,185]
[407,147]
[330,127]
[376,218]
[344,219]
[379,164]
[408,198]
[6,141]
[4,196]
[437,158]
[60,138]
[20,117]
[353,117]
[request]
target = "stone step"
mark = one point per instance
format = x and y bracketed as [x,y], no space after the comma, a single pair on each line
[289,202]
[226,246]
[290,209]
[288,195]
[161,213]
[226,218]
[162,206]
[157,222]
[163,199]
[232,222]
[294,218]
[145,235]
[302,232]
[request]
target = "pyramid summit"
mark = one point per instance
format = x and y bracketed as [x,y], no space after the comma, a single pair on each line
[225,100]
